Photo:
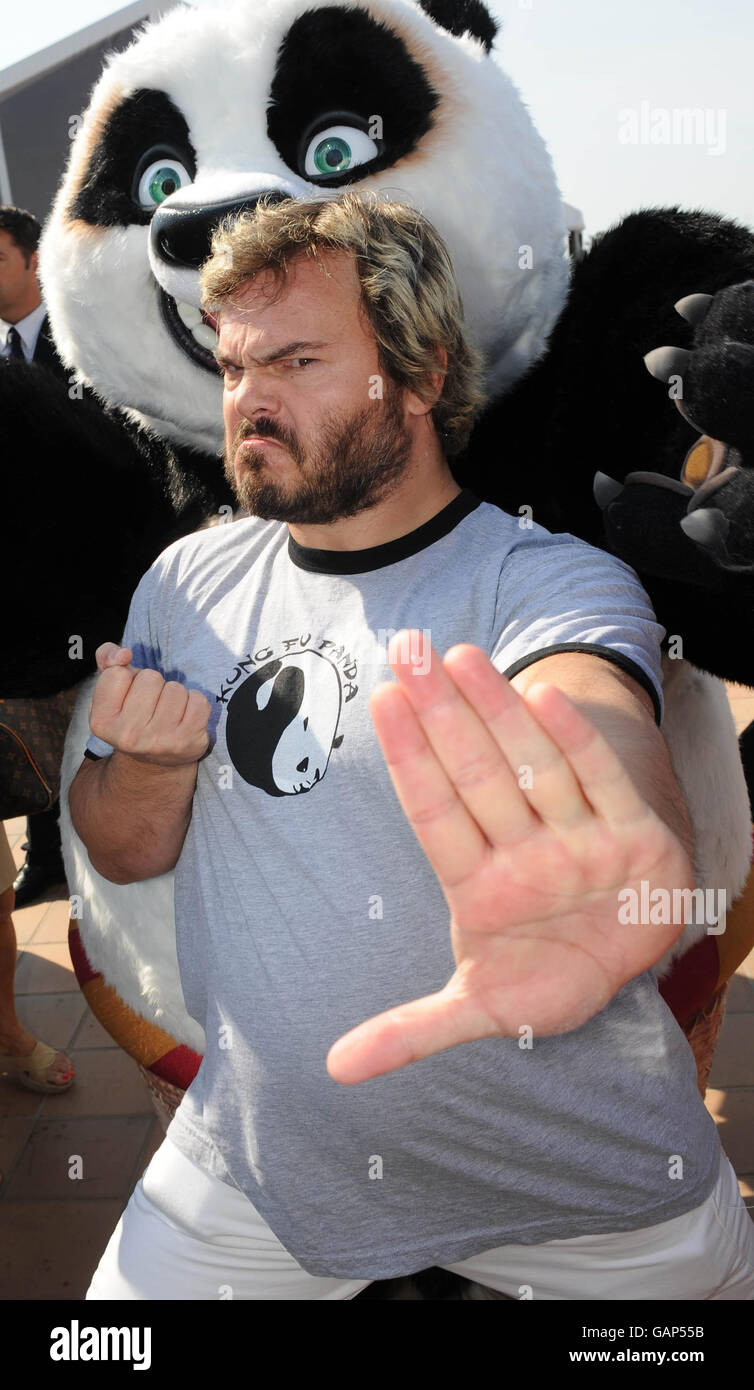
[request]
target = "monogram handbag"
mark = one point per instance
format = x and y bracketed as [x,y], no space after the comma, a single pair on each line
[32,734]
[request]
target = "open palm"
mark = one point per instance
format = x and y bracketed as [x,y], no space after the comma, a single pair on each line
[533,827]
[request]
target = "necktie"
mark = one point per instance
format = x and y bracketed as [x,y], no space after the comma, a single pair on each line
[13,341]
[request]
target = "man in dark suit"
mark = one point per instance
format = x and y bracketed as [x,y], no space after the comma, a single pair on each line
[25,333]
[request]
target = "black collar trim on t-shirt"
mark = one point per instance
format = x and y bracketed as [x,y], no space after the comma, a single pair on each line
[376,557]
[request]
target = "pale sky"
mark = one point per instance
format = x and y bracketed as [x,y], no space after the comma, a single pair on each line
[29,25]
[579,64]
[590,72]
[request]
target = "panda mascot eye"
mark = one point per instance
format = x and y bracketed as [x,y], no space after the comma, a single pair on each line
[157,176]
[336,149]
[159,181]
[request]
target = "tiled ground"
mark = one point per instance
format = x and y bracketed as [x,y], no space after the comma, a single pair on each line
[54,1227]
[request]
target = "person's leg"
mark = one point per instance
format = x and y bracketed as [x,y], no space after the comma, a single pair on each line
[44,867]
[43,834]
[15,1040]
[706,1254]
[187,1235]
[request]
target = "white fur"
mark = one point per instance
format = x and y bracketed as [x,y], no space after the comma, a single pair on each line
[127,930]
[484,153]
[701,737]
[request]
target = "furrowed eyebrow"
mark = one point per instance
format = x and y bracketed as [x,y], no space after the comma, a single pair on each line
[287,351]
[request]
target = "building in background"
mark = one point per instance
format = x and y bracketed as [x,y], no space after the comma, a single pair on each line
[40,95]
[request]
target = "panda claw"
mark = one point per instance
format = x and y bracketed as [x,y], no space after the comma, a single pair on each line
[693,308]
[605,489]
[708,527]
[664,362]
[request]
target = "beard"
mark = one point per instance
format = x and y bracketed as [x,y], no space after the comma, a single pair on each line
[358,460]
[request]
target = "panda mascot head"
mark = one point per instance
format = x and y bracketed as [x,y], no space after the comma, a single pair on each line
[210,109]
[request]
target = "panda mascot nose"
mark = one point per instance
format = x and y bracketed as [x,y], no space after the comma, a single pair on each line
[181,233]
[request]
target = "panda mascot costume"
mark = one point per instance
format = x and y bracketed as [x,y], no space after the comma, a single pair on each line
[203,113]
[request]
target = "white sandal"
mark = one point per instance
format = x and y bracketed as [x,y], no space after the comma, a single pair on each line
[30,1071]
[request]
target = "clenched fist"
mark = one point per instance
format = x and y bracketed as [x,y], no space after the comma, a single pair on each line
[145,716]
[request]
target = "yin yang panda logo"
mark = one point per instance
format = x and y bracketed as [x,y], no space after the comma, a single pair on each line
[282,723]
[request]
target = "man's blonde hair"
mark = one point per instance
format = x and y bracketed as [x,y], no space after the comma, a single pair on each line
[408,288]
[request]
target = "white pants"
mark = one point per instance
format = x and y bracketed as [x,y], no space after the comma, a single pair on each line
[186,1235]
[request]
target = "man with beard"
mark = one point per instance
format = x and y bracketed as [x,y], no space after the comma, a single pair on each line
[532,1116]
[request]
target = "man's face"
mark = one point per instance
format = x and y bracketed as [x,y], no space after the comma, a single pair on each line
[307,438]
[16,278]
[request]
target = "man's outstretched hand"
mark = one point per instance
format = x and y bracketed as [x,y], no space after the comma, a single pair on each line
[531,873]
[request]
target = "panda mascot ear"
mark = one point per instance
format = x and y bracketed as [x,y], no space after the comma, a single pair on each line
[463,17]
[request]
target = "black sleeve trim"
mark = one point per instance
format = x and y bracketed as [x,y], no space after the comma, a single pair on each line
[96,757]
[607,653]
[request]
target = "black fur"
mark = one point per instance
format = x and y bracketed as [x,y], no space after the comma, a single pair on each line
[144,127]
[590,405]
[463,17]
[321,73]
[89,502]
[719,380]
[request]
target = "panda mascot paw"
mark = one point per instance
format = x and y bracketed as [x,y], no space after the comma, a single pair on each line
[698,529]
[700,525]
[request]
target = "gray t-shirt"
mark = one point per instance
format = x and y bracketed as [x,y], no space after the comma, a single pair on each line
[305,905]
